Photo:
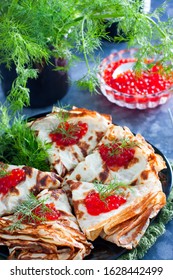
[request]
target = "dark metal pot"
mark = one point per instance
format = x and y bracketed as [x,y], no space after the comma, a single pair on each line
[49,87]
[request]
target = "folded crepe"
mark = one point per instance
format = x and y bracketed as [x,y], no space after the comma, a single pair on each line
[125,225]
[49,239]
[34,181]
[64,158]
[81,164]
[93,167]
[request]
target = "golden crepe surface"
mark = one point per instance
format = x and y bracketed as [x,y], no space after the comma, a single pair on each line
[58,239]
[63,159]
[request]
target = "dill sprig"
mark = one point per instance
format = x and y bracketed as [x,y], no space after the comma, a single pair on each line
[127,143]
[118,145]
[3,170]
[3,173]
[114,187]
[18,143]
[67,130]
[63,114]
[24,212]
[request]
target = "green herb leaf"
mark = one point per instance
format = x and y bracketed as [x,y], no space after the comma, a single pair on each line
[63,113]
[65,129]
[24,212]
[33,31]
[18,143]
[3,170]
[114,187]
[118,145]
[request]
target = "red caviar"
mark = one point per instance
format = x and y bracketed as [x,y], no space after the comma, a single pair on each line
[11,179]
[68,134]
[96,206]
[114,155]
[50,213]
[147,83]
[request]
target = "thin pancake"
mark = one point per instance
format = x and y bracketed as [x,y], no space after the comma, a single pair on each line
[34,182]
[59,239]
[94,168]
[65,158]
[129,221]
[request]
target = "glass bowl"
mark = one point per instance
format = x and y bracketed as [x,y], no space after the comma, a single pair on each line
[142,100]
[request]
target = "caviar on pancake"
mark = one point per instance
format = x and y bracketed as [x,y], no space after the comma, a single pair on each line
[43,212]
[95,205]
[68,133]
[10,179]
[117,153]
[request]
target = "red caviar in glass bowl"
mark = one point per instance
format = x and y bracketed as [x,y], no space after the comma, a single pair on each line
[147,90]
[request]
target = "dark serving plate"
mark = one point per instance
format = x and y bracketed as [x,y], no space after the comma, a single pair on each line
[105,250]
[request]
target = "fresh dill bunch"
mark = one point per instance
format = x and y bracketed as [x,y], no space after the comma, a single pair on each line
[25,212]
[114,187]
[149,34]
[18,143]
[34,30]
[89,81]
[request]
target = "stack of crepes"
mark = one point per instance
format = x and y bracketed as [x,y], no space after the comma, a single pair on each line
[142,192]
[89,156]
[56,237]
